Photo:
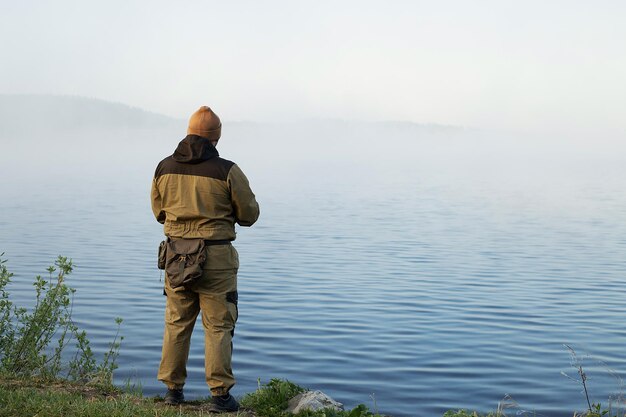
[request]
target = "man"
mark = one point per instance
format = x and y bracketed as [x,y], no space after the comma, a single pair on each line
[197,194]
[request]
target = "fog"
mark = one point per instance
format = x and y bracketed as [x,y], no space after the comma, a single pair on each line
[542,67]
[78,141]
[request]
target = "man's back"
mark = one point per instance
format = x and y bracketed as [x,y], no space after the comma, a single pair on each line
[197,194]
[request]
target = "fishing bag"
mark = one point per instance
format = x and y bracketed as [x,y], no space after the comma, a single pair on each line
[184,259]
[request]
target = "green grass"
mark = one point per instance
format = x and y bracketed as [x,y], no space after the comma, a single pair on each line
[465,413]
[20,397]
[38,397]
[32,402]
[42,397]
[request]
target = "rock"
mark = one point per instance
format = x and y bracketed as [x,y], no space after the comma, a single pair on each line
[312,400]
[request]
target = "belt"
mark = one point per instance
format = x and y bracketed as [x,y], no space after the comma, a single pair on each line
[207,242]
[216,242]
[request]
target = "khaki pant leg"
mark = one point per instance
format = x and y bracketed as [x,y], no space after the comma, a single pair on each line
[181,309]
[219,315]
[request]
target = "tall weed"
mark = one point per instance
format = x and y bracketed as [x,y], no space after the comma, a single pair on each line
[26,336]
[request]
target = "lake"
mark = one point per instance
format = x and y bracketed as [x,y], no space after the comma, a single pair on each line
[412,274]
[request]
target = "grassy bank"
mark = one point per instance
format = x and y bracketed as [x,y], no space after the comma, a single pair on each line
[20,397]
[37,397]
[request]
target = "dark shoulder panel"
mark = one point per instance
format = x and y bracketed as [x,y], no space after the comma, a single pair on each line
[216,167]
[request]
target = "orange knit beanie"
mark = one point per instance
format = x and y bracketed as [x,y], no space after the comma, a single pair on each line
[205,123]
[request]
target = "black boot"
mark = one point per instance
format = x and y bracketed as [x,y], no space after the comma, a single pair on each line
[223,403]
[174,396]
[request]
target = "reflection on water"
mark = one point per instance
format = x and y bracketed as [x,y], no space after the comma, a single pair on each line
[426,282]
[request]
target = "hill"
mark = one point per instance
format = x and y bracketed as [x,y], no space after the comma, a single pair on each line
[48,113]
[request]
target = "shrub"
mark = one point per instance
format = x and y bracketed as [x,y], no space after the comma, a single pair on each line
[26,336]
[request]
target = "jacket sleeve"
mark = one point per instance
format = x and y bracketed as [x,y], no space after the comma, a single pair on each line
[155,196]
[244,204]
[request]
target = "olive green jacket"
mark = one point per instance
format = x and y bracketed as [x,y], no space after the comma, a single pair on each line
[197,194]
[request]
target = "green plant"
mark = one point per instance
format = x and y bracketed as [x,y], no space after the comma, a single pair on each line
[26,335]
[460,413]
[359,411]
[6,307]
[133,387]
[271,399]
[595,410]
[109,363]
[616,403]
[577,363]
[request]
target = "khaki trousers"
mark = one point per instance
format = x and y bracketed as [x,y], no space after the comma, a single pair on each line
[215,297]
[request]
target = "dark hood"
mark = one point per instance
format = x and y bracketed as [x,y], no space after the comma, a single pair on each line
[194,149]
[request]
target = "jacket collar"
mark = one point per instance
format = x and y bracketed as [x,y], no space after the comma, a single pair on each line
[194,149]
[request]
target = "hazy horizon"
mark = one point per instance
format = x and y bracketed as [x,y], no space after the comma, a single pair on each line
[530,67]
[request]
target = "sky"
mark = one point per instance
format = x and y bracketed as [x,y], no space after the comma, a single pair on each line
[550,65]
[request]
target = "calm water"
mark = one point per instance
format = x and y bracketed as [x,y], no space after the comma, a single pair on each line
[412,280]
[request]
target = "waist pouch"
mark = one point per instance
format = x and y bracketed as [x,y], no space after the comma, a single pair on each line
[184,259]
[161,257]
